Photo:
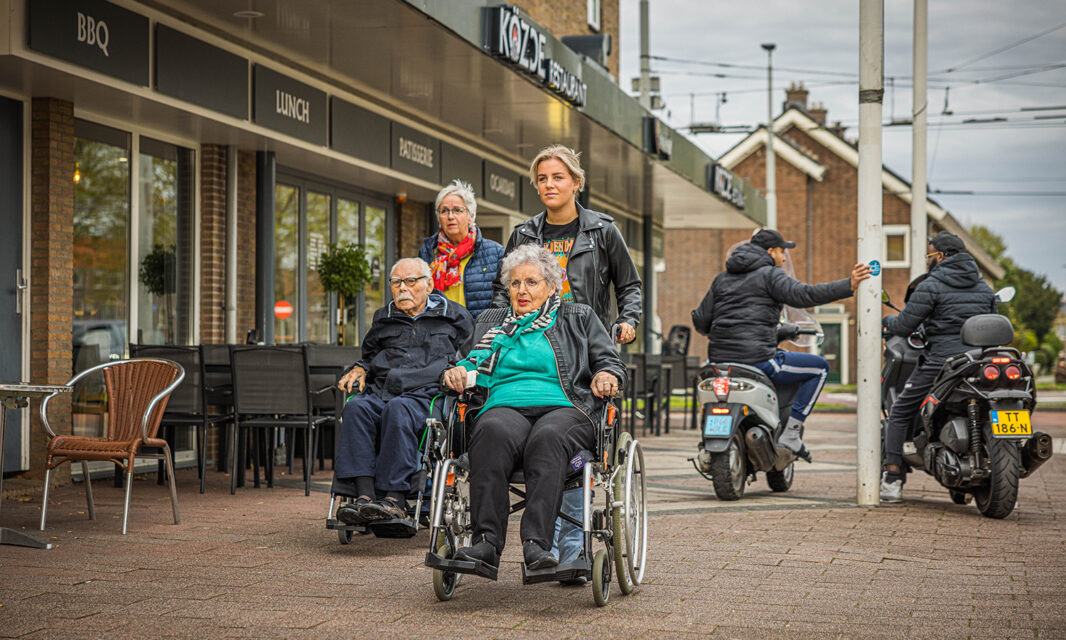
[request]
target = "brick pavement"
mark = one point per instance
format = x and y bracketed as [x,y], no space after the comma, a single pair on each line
[804,564]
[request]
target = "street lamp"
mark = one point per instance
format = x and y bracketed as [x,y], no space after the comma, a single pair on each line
[771,177]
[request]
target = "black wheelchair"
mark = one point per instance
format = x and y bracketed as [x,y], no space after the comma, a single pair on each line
[613,474]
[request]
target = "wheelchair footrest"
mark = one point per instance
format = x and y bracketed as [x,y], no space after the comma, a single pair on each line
[394,528]
[572,570]
[334,524]
[475,567]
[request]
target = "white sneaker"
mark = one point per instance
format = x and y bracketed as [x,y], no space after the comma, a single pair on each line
[891,491]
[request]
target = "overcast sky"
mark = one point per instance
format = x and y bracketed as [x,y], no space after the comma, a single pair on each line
[1021,155]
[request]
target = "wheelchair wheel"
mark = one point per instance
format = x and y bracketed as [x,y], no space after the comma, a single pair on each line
[618,541]
[345,537]
[635,513]
[601,578]
[444,582]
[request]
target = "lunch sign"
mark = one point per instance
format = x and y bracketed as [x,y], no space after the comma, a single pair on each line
[524,45]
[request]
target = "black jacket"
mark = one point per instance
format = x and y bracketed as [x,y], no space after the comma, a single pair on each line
[953,292]
[402,354]
[741,310]
[582,349]
[599,258]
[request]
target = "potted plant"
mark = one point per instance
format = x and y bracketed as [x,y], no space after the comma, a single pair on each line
[344,270]
[157,272]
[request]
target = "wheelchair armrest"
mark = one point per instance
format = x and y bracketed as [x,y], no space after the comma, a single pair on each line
[324,389]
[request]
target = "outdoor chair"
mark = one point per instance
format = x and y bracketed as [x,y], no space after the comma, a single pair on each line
[271,389]
[218,390]
[137,393]
[188,404]
[649,385]
[325,364]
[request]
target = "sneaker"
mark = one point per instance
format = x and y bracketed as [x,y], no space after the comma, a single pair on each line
[792,439]
[891,491]
[537,557]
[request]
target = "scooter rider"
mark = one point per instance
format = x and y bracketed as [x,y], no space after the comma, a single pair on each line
[943,301]
[742,309]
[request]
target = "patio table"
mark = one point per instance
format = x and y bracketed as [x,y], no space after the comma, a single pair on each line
[16,396]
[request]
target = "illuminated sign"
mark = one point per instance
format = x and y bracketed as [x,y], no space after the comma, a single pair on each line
[513,38]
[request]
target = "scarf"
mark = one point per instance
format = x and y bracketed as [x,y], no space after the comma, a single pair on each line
[501,338]
[446,267]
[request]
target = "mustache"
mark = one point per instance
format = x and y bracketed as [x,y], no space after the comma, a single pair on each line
[400,297]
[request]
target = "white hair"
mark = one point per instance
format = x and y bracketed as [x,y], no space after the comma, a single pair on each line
[423,267]
[462,189]
[536,255]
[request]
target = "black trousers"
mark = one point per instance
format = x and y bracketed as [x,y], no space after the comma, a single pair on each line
[540,441]
[906,407]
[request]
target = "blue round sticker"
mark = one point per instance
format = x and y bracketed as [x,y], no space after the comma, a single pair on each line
[875,268]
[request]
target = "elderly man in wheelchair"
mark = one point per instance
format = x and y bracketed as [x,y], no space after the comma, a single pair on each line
[410,343]
[549,369]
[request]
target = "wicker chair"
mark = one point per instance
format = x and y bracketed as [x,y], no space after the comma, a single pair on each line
[137,392]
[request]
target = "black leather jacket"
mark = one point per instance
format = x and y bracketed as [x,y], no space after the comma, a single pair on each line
[582,349]
[599,258]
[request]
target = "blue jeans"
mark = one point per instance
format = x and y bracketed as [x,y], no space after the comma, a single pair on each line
[569,539]
[806,369]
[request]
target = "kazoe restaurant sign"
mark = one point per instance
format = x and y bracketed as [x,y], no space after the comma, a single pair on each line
[726,185]
[512,37]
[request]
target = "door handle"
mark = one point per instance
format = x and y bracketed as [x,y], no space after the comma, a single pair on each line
[20,288]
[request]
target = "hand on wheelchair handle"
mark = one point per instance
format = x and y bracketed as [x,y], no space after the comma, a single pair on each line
[456,379]
[604,385]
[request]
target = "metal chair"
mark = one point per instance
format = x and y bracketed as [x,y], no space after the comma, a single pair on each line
[137,393]
[326,363]
[188,404]
[271,389]
[218,390]
[649,383]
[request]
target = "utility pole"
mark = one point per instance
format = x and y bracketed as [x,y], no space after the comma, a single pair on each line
[771,169]
[868,300]
[645,60]
[919,225]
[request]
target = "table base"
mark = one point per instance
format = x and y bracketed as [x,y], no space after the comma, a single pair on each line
[17,538]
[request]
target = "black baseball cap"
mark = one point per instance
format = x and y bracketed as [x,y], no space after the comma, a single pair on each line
[769,239]
[947,243]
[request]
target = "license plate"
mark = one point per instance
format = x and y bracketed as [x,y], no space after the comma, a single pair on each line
[1011,424]
[718,425]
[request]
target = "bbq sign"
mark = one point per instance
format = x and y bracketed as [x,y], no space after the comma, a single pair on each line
[513,38]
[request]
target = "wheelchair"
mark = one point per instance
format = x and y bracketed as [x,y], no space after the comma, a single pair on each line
[343,491]
[614,475]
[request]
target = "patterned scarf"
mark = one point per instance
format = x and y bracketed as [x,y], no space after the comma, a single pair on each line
[446,267]
[506,335]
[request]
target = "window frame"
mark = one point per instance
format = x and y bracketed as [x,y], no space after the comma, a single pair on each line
[896,230]
[594,14]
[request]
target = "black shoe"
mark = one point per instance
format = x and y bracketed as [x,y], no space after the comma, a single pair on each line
[384,509]
[483,551]
[349,513]
[537,557]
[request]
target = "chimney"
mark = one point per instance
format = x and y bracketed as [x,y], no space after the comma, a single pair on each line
[795,96]
[838,129]
[818,112]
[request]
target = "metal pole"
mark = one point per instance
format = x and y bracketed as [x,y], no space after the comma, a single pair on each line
[771,160]
[231,244]
[919,226]
[645,61]
[868,303]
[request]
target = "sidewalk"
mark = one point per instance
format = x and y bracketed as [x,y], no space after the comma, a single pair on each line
[807,563]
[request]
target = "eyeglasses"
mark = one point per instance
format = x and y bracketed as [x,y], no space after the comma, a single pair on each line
[930,255]
[529,282]
[444,212]
[410,282]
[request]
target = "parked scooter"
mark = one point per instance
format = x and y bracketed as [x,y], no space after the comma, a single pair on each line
[743,415]
[974,432]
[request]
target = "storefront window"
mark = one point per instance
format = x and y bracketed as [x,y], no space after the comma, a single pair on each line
[374,244]
[286,259]
[348,231]
[164,273]
[101,175]
[318,318]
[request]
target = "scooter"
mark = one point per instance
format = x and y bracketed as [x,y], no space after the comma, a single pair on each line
[743,415]
[974,432]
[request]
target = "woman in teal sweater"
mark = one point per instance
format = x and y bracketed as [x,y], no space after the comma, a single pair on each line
[544,367]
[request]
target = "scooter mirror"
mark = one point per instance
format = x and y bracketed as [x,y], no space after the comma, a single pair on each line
[1006,294]
[884,297]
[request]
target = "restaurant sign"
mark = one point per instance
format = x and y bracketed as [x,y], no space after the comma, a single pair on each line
[726,185]
[510,36]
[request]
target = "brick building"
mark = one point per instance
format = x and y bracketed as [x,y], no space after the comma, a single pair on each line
[817,187]
[232,144]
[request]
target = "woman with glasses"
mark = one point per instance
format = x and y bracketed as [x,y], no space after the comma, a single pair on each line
[543,366]
[462,261]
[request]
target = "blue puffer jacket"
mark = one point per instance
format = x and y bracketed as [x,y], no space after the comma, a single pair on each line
[479,273]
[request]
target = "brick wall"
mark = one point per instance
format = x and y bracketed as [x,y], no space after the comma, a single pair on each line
[412,227]
[212,244]
[570,18]
[51,265]
[827,252]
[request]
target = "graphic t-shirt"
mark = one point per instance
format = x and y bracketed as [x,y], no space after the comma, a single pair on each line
[559,240]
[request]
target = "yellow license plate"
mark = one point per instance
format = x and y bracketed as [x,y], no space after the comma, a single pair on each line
[1011,424]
